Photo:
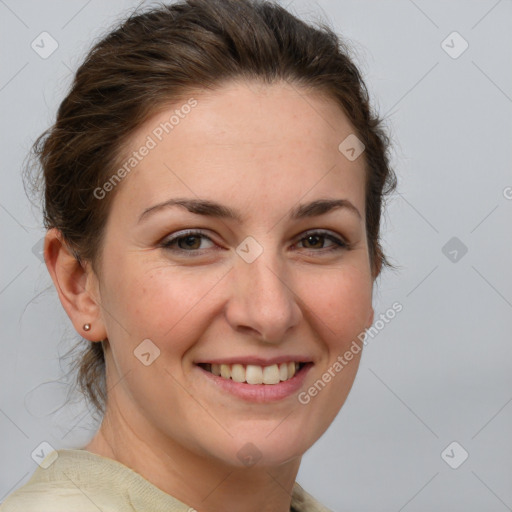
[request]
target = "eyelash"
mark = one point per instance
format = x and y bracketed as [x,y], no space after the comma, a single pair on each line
[339,244]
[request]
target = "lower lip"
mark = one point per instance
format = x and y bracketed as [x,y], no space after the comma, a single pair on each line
[260,393]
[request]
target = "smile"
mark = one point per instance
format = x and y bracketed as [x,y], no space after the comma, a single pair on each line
[255,374]
[256,383]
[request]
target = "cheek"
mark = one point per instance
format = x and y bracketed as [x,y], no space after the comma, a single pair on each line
[340,302]
[162,302]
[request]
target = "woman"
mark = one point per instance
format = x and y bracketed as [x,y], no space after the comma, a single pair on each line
[213,191]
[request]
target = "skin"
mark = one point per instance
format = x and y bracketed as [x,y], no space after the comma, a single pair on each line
[261,150]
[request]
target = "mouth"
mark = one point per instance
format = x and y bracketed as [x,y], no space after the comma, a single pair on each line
[256,383]
[252,374]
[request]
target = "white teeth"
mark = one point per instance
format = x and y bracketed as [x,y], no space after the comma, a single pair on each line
[225,371]
[238,373]
[283,371]
[271,374]
[254,374]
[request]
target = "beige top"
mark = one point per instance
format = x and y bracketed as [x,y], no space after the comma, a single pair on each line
[82,481]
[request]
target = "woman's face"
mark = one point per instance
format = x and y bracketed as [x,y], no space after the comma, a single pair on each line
[270,285]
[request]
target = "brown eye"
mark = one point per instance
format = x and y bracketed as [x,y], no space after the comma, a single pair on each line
[187,242]
[315,242]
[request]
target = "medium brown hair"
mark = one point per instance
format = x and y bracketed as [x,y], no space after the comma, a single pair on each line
[154,59]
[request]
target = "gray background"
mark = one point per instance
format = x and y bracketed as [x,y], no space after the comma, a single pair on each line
[437,373]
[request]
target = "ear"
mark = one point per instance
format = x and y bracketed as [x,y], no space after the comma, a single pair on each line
[77,286]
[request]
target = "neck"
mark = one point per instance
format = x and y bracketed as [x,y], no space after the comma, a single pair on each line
[201,482]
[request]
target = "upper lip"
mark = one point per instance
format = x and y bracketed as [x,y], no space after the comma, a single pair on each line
[255,360]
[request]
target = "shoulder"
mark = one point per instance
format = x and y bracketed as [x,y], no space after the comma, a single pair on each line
[67,484]
[81,481]
[48,497]
[304,502]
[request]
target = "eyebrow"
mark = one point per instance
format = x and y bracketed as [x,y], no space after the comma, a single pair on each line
[212,209]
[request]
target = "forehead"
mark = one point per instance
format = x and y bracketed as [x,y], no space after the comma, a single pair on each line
[244,144]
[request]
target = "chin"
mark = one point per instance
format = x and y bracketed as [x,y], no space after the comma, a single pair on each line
[266,447]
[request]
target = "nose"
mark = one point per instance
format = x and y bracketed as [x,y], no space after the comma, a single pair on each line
[262,302]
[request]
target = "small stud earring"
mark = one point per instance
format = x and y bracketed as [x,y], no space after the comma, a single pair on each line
[87,327]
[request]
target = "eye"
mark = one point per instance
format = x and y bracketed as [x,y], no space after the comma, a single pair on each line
[188,241]
[316,238]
